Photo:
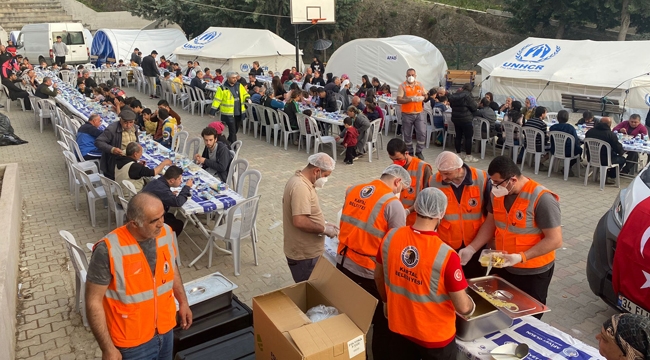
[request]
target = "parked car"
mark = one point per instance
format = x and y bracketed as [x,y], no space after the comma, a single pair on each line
[600,260]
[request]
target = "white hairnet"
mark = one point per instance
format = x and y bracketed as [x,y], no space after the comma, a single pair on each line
[398,172]
[432,203]
[448,161]
[322,161]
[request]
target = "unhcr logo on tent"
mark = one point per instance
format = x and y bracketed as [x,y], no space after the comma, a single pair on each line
[200,41]
[529,57]
[647,99]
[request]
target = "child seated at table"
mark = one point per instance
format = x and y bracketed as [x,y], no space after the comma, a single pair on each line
[350,141]
[168,128]
[308,113]
[98,95]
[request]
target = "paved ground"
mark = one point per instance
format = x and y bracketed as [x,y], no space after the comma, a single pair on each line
[48,327]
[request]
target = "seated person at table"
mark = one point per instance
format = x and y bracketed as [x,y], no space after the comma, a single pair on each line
[216,157]
[485,111]
[634,128]
[86,136]
[269,100]
[46,89]
[357,103]
[163,104]
[292,108]
[81,86]
[149,127]
[327,100]
[537,122]
[587,120]
[602,131]
[131,168]
[252,81]
[98,93]
[218,76]
[90,82]
[15,92]
[168,127]
[112,142]
[161,187]
[256,96]
[372,110]
[197,82]
[207,76]
[564,126]
[220,127]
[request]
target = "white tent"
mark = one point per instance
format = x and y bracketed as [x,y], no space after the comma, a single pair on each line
[388,59]
[234,49]
[119,44]
[555,67]
[88,36]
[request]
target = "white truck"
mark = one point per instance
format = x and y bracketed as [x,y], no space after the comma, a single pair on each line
[35,42]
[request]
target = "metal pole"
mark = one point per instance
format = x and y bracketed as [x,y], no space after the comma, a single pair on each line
[297,42]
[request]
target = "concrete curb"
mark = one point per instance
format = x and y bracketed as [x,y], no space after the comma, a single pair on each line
[11,203]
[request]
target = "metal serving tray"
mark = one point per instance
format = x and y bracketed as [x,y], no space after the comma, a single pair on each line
[208,294]
[485,320]
[519,303]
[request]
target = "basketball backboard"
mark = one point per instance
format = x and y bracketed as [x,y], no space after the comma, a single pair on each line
[313,11]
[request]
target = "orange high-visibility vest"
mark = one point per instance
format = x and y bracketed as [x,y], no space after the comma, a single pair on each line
[516,230]
[137,303]
[408,195]
[418,303]
[412,90]
[462,220]
[363,225]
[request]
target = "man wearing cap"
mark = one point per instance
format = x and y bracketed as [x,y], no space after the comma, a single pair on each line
[60,50]
[135,58]
[303,220]
[150,71]
[467,190]
[421,282]
[524,220]
[47,89]
[419,170]
[370,210]
[113,141]
[15,92]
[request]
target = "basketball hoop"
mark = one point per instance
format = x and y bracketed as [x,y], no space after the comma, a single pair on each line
[315,21]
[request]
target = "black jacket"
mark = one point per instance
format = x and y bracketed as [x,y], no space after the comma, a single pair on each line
[136,58]
[160,188]
[332,87]
[602,132]
[329,102]
[149,67]
[90,83]
[462,106]
[14,90]
[110,138]
[258,72]
[291,111]
[222,164]
[318,81]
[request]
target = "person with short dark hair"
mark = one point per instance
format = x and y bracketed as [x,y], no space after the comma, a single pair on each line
[564,126]
[350,140]
[537,122]
[463,107]
[216,157]
[151,72]
[161,187]
[43,90]
[587,120]
[15,92]
[218,76]
[60,50]
[524,221]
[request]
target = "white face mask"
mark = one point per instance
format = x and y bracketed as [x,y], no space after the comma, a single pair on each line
[410,79]
[320,183]
[500,191]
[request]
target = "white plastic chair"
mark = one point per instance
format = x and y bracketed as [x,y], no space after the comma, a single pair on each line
[509,128]
[560,140]
[450,131]
[285,127]
[271,124]
[303,121]
[75,182]
[479,124]
[80,264]
[33,100]
[594,146]
[339,105]
[252,178]
[551,117]
[398,117]
[113,191]
[235,229]
[179,141]
[431,128]
[131,191]
[201,101]
[237,167]
[74,147]
[124,203]
[389,116]
[236,147]
[46,109]
[8,102]
[93,194]
[318,140]
[531,135]
[374,135]
[192,147]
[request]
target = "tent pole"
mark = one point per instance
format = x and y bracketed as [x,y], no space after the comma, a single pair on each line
[297,41]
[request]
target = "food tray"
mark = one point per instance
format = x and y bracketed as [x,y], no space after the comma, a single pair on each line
[208,294]
[506,297]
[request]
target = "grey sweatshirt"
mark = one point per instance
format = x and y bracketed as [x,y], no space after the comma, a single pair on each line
[60,49]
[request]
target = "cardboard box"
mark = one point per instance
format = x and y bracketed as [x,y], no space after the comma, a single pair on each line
[284,332]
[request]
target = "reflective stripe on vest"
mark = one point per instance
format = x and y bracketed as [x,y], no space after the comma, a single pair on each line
[368,226]
[516,229]
[440,258]
[416,170]
[462,219]
[409,91]
[225,100]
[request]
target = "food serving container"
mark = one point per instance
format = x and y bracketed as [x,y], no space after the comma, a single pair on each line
[208,294]
[498,303]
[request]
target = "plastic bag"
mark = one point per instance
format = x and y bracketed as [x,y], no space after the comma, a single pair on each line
[321,312]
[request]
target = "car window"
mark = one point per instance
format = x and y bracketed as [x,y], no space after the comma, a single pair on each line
[75,38]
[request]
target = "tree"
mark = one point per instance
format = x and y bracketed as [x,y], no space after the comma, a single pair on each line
[528,15]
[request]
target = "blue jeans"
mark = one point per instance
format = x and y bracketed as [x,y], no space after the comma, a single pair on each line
[160,347]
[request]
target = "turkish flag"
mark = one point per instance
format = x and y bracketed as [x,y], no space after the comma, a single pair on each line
[631,274]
